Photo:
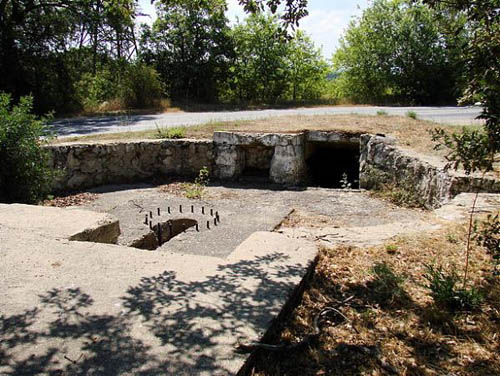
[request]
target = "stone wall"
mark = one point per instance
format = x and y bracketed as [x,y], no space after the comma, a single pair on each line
[90,165]
[380,160]
[282,156]
[287,165]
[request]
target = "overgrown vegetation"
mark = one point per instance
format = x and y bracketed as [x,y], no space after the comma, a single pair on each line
[24,172]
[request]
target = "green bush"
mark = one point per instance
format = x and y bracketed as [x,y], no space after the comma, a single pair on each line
[141,87]
[93,90]
[127,86]
[24,172]
[446,294]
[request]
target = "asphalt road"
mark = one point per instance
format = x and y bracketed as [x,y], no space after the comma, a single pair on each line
[126,123]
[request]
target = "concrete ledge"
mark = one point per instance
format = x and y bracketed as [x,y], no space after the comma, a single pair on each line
[59,223]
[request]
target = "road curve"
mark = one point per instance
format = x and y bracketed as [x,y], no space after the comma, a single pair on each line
[126,123]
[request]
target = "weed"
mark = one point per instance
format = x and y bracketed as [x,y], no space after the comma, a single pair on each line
[446,294]
[391,248]
[203,177]
[196,190]
[452,238]
[412,115]
[382,113]
[488,236]
[170,133]
[387,285]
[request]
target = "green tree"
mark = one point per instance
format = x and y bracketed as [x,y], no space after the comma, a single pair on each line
[190,47]
[480,148]
[292,12]
[260,70]
[45,46]
[307,68]
[399,51]
[24,175]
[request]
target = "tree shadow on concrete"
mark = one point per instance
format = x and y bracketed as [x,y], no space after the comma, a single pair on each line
[166,326]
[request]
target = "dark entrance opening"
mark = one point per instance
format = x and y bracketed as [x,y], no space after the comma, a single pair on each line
[257,162]
[333,165]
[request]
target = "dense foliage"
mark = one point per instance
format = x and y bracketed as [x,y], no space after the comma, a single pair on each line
[400,52]
[482,64]
[191,49]
[46,46]
[269,66]
[24,175]
[91,54]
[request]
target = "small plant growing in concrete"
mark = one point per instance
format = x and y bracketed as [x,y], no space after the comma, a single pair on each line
[382,113]
[196,190]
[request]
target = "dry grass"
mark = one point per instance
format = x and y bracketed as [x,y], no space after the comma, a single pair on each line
[412,134]
[405,335]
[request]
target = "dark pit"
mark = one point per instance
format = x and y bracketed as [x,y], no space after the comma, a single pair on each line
[333,164]
[163,232]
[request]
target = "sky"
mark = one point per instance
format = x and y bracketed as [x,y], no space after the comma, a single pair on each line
[325,23]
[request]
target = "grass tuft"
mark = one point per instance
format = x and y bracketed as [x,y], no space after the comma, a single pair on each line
[170,133]
[412,115]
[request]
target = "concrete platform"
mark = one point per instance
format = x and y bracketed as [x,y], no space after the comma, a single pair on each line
[80,308]
[58,223]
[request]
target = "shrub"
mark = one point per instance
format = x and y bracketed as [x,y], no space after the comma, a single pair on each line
[123,86]
[93,90]
[488,236]
[446,294]
[387,285]
[141,87]
[170,133]
[24,172]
